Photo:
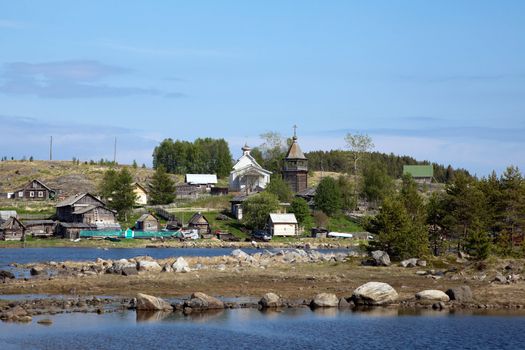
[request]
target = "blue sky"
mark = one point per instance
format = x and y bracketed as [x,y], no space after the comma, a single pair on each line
[442,80]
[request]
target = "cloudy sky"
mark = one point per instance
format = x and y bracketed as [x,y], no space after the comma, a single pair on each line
[442,81]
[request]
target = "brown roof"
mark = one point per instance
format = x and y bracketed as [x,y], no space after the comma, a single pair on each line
[197,219]
[295,152]
[73,199]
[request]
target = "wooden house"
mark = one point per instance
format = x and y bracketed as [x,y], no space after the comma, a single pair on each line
[71,230]
[35,190]
[12,230]
[141,194]
[147,223]
[204,181]
[40,228]
[422,174]
[283,225]
[85,208]
[199,222]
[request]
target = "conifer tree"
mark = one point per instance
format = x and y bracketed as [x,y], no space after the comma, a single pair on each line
[162,187]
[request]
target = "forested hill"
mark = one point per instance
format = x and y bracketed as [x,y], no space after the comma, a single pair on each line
[341,161]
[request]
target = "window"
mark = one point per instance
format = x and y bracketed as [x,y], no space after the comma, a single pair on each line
[21,194]
[32,194]
[40,194]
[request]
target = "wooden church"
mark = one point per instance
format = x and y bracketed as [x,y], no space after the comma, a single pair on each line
[295,169]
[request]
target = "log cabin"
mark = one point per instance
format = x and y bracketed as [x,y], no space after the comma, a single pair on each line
[12,230]
[35,190]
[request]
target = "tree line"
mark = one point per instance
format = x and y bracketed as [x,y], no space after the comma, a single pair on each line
[480,217]
[203,156]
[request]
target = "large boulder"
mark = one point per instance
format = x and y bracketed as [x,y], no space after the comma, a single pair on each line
[145,265]
[409,262]
[325,300]
[271,300]
[6,275]
[201,301]
[239,254]
[37,270]
[374,293]
[432,294]
[461,294]
[129,271]
[181,265]
[149,302]
[380,258]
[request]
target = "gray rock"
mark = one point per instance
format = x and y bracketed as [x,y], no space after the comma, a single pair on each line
[499,278]
[271,300]
[461,294]
[381,258]
[432,294]
[129,271]
[344,304]
[181,265]
[239,254]
[6,275]
[422,263]
[152,266]
[36,271]
[149,302]
[374,293]
[167,268]
[409,262]
[201,301]
[325,300]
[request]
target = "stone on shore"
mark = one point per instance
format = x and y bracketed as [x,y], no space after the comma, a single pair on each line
[409,262]
[432,294]
[152,266]
[239,254]
[6,275]
[36,271]
[181,265]
[129,271]
[149,302]
[460,294]
[374,293]
[201,301]
[271,300]
[380,258]
[325,300]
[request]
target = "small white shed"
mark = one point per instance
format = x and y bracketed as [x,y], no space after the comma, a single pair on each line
[283,225]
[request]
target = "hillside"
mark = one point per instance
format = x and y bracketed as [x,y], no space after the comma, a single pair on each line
[66,176]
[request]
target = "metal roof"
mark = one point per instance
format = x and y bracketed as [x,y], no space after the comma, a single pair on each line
[419,170]
[283,218]
[201,179]
[6,214]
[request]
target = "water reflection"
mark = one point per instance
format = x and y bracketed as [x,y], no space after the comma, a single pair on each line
[152,316]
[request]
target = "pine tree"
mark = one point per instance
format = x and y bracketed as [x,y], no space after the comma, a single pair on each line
[162,187]
[117,189]
[301,210]
[328,197]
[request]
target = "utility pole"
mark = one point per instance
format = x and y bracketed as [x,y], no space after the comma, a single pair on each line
[115,152]
[51,148]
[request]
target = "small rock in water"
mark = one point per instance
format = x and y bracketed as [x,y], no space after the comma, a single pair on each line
[45,322]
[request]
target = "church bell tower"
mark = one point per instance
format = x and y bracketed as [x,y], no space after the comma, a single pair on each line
[295,169]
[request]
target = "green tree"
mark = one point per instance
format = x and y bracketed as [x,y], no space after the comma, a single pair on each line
[134,165]
[280,188]
[348,197]
[162,187]
[436,229]
[117,189]
[396,233]
[376,184]
[478,244]
[256,209]
[328,196]
[301,210]
[359,145]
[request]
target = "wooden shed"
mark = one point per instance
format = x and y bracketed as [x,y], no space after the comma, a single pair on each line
[199,222]
[283,225]
[147,223]
[71,230]
[84,208]
[12,230]
[40,228]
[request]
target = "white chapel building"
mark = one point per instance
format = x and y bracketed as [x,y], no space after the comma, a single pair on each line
[247,175]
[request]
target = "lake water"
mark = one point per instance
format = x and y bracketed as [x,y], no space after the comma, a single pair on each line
[253,329]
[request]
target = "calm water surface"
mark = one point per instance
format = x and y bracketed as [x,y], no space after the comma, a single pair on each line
[252,329]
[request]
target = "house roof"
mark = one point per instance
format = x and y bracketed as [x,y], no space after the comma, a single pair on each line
[307,192]
[77,225]
[197,218]
[73,199]
[38,222]
[9,223]
[295,152]
[6,214]
[201,179]
[143,188]
[419,170]
[41,184]
[143,217]
[283,218]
